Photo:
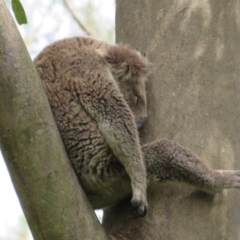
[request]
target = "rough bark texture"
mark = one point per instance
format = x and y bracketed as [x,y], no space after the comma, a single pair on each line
[194,97]
[53,202]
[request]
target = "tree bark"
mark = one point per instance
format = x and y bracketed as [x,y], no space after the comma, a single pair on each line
[194,96]
[53,202]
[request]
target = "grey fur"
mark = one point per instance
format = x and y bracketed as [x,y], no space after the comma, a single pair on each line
[97,94]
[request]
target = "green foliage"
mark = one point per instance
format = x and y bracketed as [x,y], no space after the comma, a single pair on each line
[19,12]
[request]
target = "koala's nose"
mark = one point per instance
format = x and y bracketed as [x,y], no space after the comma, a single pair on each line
[141,122]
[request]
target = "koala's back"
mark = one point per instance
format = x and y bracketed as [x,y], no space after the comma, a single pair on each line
[57,65]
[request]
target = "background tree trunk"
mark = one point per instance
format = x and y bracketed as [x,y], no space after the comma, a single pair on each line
[53,202]
[194,99]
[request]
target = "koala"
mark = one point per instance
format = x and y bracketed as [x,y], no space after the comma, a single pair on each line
[97,93]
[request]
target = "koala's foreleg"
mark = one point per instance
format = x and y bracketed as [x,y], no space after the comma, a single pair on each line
[108,108]
[166,160]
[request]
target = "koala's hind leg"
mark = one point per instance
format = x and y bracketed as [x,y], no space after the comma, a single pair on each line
[166,160]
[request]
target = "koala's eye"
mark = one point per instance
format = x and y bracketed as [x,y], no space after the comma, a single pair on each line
[127,69]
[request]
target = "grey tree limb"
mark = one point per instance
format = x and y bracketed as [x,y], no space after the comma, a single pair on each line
[53,202]
[193,97]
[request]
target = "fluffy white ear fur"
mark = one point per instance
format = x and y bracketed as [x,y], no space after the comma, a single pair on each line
[125,62]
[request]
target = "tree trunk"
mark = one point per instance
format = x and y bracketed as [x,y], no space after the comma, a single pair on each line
[53,202]
[194,99]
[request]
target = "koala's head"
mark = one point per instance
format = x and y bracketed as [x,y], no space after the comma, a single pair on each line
[130,70]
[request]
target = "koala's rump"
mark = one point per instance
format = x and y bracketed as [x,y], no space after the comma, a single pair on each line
[98,170]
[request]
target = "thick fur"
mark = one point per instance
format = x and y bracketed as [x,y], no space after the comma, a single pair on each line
[97,94]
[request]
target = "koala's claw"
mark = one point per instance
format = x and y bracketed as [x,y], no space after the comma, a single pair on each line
[138,209]
[231,178]
[235,179]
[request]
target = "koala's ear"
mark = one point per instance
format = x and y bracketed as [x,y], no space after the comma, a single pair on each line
[116,57]
[126,62]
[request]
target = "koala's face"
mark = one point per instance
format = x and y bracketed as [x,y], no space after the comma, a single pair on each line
[130,70]
[134,92]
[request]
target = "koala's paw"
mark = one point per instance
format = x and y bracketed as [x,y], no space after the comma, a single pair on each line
[231,178]
[138,205]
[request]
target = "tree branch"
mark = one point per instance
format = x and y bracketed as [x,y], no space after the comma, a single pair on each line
[54,203]
[76,18]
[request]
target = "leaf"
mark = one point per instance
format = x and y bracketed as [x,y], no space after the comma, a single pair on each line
[19,12]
